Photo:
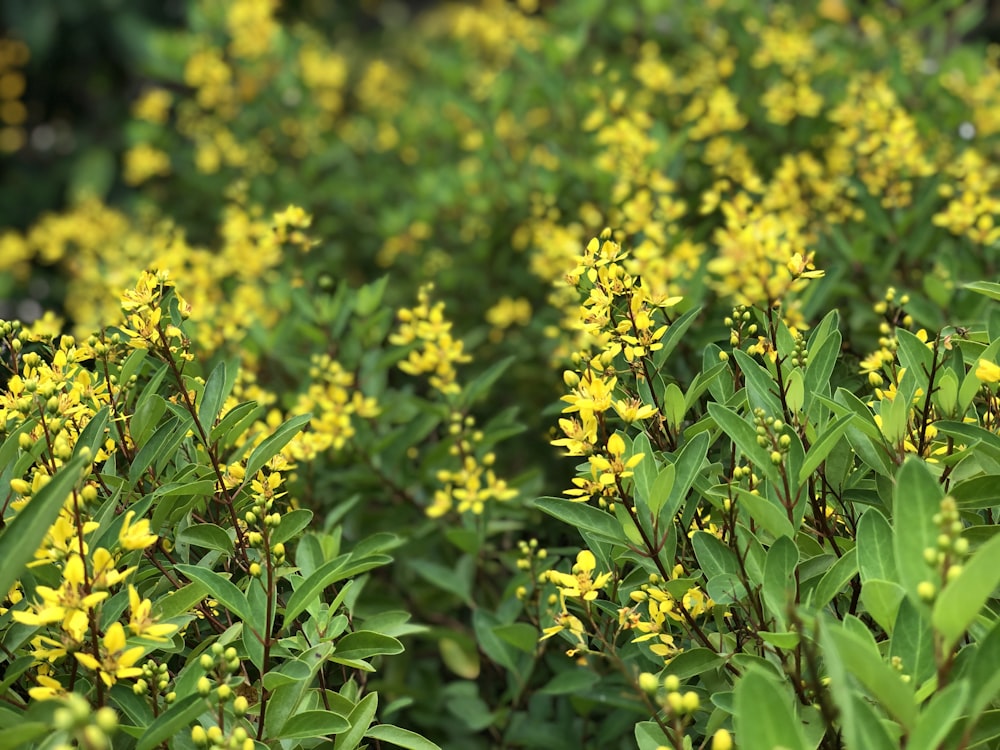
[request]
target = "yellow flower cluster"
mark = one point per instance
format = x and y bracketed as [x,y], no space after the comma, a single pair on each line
[435,352]
[972,204]
[333,399]
[472,484]
[251,27]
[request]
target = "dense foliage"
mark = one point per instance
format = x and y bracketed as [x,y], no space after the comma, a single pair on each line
[572,374]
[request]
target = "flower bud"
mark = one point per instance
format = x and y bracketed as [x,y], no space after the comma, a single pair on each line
[648,682]
[722,740]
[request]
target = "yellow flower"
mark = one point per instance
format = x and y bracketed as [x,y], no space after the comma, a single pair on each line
[141,622]
[48,689]
[988,372]
[116,660]
[69,604]
[580,583]
[136,536]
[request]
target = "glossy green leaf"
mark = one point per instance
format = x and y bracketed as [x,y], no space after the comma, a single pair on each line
[832,435]
[313,724]
[779,578]
[400,737]
[862,661]
[582,516]
[221,589]
[273,444]
[177,718]
[915,501]
[208,536]
[364,644]
[693,662]
[913,642]
[881,599]
[938,716]
[835,580]
[570,682]
[361,719]
[765,717]
[876,558]
[213,396]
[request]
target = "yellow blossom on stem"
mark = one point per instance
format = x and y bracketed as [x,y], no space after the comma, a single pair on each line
[580,584]
[116,660]
[135,536]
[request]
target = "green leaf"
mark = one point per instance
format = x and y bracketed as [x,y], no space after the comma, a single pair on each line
[309,590]
[22,734]
[221,589]
[313,725]
[862,661]
[832,435]
[26,531]
[769,516]
[764,714]
[913,642]
[521,635]
[482,383]
[693,662]
[982,674]
[688,465]
[364,644]
[779,578]
[673,336]
[361,719]
[461,658]
[400,737]
[273,444]
[649,736]
[835,579]
[762,391]
[881,599]
[582,516]
[875,548]
[207,535]
[213,396]
[291,524]
[570,682]
[745,437]
[916,499]
[233,425]
[963,598]
[988,288]
[780,640]
[176,719]
[938,716]
[660,489]
[714,557]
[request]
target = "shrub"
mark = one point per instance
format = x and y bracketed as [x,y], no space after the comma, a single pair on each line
[780,336]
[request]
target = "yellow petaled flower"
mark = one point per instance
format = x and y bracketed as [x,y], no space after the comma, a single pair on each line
[988,372]
[116,661]
[141,622]
[48,689]
[69,604]
[137,536]
[580,584]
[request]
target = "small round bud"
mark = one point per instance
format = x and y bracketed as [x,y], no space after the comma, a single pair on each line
[926,591]
[255,570]
[204,686]
[671,682]
[648,682]
[775,457]
[675,702]
[206,662]
[722,740]
[954,572]
[240,705]
[224,692]
[199,736]
[106,719]
[960,546]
